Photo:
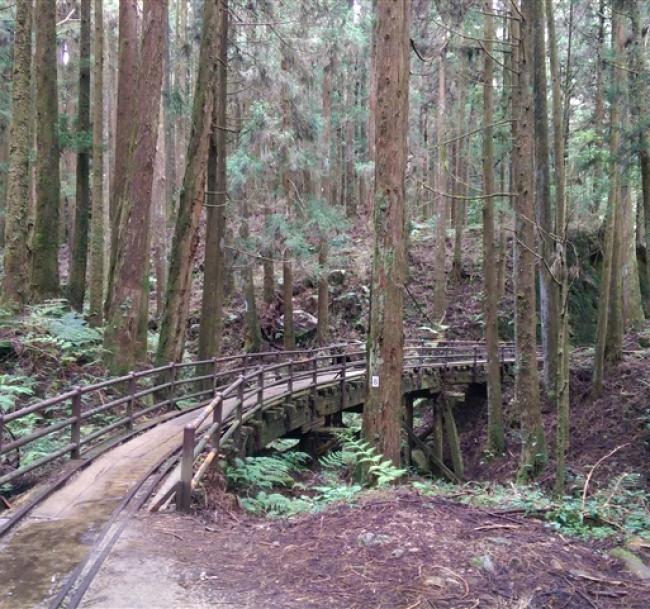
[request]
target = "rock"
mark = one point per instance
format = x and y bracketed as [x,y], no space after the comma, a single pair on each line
[485,563]
[632,563]
[372,539]
[435,582]
[421,462]
[337,276]
[304,324]
[349,305]
[397,553]
[644,340]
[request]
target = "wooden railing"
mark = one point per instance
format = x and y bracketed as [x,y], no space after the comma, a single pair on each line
[85,416]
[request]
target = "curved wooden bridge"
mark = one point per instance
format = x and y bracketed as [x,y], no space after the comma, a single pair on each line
[156,432]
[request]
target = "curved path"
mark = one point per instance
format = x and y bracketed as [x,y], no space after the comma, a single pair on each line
[58,535]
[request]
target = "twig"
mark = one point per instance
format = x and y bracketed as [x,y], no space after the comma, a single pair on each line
[591,472]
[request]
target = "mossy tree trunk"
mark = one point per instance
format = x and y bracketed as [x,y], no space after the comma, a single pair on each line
[96,253]
[123,343]
[186,237]
[534,455]
[77,287]
[441,207]
[127,70]
[639,94]
[548,293]
[45,240]
[322,329]
[606,308]
[15,283]
[382,413]
[495,436]
[217,187]
[561,275]
[461,169]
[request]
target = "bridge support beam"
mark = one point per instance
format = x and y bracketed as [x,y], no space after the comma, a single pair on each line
[453,441]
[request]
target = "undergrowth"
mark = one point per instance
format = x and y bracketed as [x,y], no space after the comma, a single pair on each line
[271,485]
[621,508]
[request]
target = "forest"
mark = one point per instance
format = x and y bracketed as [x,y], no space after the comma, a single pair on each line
[347,300]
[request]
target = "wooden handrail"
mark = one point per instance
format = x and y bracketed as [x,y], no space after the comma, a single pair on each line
[251,382]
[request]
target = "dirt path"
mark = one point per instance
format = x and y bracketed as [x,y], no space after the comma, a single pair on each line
[397,550]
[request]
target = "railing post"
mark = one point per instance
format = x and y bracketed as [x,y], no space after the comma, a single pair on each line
[475,355]
[217,417]
[131,403]
[343,374]
[314,372]
[75,430]
[172,384]
[184,488]
[290,371]
[214,376]
[421,352]
[260,387]
[239,412]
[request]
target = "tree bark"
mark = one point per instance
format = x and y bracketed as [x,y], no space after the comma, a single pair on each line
[123,336]
[548,294]
[607,277]
[15,284]
[383,409]
[322,329]
[639,92]
[461,167]
[495,435]
[212,304]
[534,454]
[185,241]
[440,245]
[77,287]
[560,263]
[45,241]
[96,253]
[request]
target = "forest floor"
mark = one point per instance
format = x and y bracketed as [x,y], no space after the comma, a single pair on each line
[393,550]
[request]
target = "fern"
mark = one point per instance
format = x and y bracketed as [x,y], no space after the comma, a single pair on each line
[359,455]
[13,387]
[267,472]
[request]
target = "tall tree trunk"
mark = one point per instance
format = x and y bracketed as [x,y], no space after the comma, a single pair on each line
[322,329]
[77,287]
[495,436]
[169,127]
[45,241]
[440,253]
[127,71]
[96,253]
[268,288]
[534,454]
[212,304]
[183,50]
[15,284]
[607,277]
[548,294]
[288,188]
[185,241]
[560,264]
[639,92]
[123,343]
[382,413]
[461,166]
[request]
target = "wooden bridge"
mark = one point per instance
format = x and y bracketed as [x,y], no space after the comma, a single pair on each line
[154,433]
